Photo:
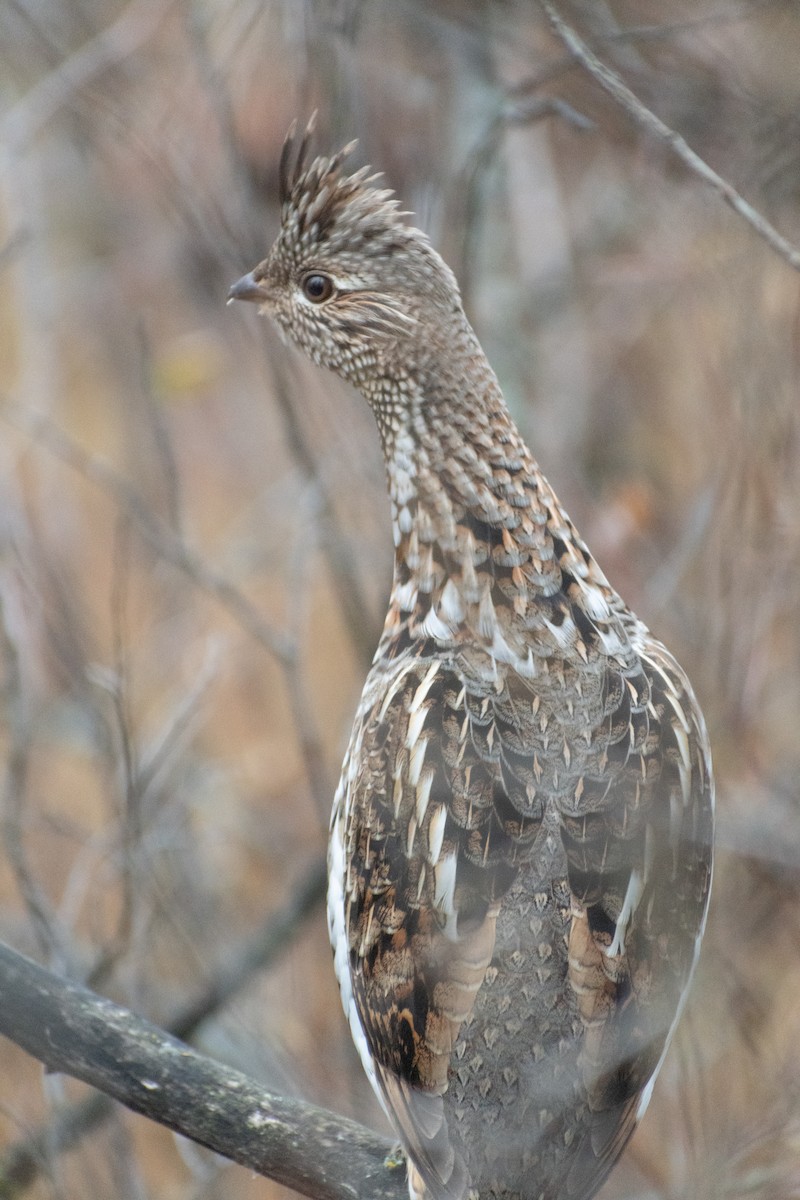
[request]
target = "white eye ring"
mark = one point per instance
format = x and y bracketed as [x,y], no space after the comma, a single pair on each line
[317,287]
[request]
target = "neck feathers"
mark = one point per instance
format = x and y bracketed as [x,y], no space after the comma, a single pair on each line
[484,553]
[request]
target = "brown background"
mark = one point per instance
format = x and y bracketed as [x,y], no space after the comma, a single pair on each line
[169,775]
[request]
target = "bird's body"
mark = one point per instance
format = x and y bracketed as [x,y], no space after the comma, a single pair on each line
[520,845]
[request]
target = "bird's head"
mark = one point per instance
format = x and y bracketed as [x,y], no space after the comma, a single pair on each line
[346,279]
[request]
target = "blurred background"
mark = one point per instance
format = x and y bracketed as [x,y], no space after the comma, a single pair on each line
[194,539]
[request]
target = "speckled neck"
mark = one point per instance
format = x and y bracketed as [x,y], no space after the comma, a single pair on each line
[477,530]
[450,444]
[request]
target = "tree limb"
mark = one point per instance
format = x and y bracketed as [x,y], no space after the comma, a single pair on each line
[22,1161]
[642,116]
[73,1030]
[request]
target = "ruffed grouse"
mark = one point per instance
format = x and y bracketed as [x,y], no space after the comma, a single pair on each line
[520,851]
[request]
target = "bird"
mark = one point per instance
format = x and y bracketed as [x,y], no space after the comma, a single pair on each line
[520,850]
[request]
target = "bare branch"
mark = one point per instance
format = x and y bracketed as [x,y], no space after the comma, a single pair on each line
[75,1031]
[22,1162]
[173,549]
[46,433]
[257,953]
[138,22]
[611,83]
[43,919]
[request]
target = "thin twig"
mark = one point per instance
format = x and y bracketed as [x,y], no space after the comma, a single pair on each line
[258,952]
[163,540]
[171,547]
[129,818]
[24,1161]
[170,480]
[611,83]
[43,918]
[136,24]
[516,110]
[363,631]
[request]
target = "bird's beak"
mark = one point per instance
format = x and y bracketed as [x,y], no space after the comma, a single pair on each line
[247,288]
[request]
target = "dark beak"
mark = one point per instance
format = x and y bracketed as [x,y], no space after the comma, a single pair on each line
[247,288]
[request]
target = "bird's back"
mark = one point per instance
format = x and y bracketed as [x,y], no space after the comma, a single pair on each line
[525,876]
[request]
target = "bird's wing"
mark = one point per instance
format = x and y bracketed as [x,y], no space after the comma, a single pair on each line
[435,830]
[636,828]
[453,779]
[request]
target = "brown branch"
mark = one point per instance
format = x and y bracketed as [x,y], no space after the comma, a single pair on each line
[73,1030]
[642,116]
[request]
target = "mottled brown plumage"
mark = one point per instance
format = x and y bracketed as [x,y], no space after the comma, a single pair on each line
[521,842]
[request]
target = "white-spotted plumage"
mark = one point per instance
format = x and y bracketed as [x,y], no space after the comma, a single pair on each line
[520,851]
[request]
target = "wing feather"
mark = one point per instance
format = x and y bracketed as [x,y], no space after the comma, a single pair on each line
[466,780]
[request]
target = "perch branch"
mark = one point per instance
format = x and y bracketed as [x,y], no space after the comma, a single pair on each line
[73,1030]
[22,1162]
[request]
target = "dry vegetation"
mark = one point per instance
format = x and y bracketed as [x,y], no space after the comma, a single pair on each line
[195,548]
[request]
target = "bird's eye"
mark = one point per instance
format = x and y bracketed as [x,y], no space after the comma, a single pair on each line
[317,288]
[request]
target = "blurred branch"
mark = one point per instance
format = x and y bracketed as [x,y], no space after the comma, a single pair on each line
[516,110]
[170,479]
[129,817]
[171,547]
[728,15]
[363,632]
[257,953]
[43,918]
[139,21]
[167,545]
[22,1163]
[13,245]
[73,1030]
[611,83]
